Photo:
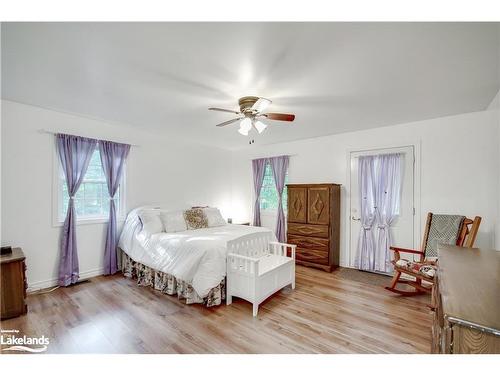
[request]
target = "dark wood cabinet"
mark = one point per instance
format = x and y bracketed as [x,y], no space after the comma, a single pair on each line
[13,284]
[313,224]
[318,205]
[297,204]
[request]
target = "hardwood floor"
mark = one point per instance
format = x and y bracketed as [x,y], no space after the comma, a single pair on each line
[326,313]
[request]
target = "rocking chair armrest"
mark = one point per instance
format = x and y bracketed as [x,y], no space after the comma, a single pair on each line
[402,250]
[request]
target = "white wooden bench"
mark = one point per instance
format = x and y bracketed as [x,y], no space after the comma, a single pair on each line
[258,268]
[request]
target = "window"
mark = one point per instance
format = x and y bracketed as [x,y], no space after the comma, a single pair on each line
[269,194]
[92,198]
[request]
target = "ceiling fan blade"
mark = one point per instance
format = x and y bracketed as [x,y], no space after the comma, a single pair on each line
[229,121]
[280,116]
[261,104]
[223,110]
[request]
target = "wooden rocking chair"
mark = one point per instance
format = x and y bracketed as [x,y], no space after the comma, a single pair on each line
[466,236]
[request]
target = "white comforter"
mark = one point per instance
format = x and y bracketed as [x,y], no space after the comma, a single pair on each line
[195,256]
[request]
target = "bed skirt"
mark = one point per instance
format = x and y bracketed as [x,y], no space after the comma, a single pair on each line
[168,284]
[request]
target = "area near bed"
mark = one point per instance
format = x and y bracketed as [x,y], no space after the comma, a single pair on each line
[196,258]
[250,187]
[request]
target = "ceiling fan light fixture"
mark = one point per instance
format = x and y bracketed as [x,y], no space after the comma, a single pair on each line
[243,132]
[245,126]
[260,126]
[251,109]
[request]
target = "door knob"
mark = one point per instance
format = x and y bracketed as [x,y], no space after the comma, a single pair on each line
[356,218]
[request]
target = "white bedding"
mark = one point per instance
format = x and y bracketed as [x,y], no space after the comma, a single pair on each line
[195,256]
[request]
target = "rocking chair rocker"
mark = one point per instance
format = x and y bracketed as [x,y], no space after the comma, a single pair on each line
[457,230]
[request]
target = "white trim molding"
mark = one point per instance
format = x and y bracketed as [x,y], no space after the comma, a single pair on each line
[44,284]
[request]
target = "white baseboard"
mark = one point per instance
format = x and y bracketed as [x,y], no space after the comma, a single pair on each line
[38,285]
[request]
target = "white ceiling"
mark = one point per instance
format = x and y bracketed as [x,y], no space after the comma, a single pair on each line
[335,77]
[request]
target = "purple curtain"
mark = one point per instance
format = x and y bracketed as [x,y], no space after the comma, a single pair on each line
[279,166]
[259,167]
[113,156]
[74,154]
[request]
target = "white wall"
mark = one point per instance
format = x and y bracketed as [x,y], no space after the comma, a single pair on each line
[459,166]
[495,106]
[159,171]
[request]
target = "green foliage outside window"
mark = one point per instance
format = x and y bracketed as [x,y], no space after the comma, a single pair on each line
[269,194]
[92,198]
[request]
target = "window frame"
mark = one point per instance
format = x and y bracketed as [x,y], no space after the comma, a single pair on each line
[57,196]
[274,211]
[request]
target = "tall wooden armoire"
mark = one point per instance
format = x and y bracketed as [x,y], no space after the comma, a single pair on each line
[314,224]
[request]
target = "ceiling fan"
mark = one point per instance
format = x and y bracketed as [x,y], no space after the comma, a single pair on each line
[251,113]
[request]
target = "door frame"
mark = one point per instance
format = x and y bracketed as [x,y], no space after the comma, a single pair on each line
[417,225]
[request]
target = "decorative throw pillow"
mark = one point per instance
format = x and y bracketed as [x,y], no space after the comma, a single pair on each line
[214,217]
[173,221]
[195,218]
[151,222]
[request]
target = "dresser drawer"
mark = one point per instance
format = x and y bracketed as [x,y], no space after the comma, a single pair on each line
[309,230]
[319,244]
[312,255]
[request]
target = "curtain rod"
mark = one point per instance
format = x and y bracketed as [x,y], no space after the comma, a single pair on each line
[381,154]
[267,157]
[385,148]
[44,131]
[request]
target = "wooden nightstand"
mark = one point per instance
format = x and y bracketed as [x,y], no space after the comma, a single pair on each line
[13,284]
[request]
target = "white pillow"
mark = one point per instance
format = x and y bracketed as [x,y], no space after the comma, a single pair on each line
[173,221]
[151,222]
[214,217]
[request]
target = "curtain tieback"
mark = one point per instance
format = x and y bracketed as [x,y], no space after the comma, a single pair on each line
[383,226]
[112,198]
[365,227]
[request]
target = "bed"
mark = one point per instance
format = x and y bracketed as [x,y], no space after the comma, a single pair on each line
[190,264]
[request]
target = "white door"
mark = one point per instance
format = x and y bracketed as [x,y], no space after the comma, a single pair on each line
[403,227]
